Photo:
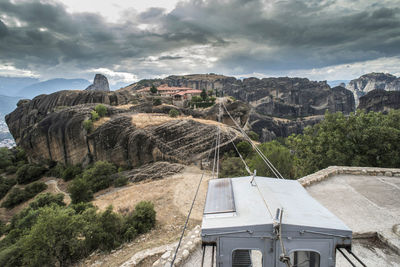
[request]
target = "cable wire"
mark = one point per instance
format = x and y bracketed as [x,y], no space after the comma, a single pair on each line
[259,152]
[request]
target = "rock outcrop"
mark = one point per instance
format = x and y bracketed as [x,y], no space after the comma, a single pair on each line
[270,99]
[100,83]
[380,101]
[373,81]
[50,128]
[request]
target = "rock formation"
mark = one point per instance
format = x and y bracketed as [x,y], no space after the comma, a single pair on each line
[50,127]
[100,83]
[373,81]
[380,101]
[270,99]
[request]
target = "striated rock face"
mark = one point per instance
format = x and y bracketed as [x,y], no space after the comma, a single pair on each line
[100,83]
[50,127]
[373,81]
[380,101]
[269,128]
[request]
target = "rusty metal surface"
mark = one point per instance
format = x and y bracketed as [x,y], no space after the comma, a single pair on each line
[220,198]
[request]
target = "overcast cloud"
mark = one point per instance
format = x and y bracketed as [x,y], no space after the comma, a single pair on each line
[312,38]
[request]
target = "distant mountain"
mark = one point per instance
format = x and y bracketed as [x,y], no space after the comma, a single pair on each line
[10,86]
[51,86]
[373,81]
[7,104]
[335,83]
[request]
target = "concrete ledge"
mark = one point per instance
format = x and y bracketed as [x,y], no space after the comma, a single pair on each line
[335,170]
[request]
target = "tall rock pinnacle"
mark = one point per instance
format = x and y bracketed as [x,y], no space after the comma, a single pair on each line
[100,83]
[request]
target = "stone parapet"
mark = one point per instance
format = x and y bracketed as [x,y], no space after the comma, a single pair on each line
[337,170]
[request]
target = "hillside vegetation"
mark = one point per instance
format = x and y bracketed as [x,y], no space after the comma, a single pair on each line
[360,139]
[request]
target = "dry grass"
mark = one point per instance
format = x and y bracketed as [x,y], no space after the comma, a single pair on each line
[100,122]
[142,120]
[172,197]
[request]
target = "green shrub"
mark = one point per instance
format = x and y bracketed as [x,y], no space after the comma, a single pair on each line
[80,191]
[34,188]
[88,125]
[143,218]
[6,185]
[29,172]
[11,256]
[120,181]
[279,156]
[57,170]
[46,199]
[94,115]
[244,148]
[15,197]
[5,158]
[173,113]
[100,175]
[156,102]
[253,135]
[232,167]
[20,155]
[11,169]
[101,110]
[71,172]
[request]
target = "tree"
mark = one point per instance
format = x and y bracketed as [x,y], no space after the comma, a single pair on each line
[153,89]
[360,139]
[99,176]
[54,238]
[101,110]
[244,148]
[80,191]
[279,156]
[203,94]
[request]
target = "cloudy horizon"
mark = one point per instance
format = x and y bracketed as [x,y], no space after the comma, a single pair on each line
[132,40]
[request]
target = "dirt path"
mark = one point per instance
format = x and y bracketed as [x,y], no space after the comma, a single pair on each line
[53,188]
[172,197]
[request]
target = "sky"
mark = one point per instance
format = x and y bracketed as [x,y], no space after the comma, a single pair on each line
[135,39]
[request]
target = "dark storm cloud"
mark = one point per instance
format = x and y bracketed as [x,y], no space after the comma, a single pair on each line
[255,35]
[3,29]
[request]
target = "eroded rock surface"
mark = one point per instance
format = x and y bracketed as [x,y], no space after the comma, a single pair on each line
[50,127]
[100,83]
[380,101]
[373,81]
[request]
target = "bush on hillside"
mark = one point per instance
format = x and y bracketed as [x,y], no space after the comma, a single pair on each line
[94,116]
[100,175]
[5,158]
[71,172]
[143,218]
[360,139]
[88,125]
[244,148]
[120,181]
[101,110]
[49,234]
[173,113]
[80,191]
[5,185]
[17,195]
[29,172]
[253,136]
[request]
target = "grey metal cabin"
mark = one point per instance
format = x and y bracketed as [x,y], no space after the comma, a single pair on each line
[270,222]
